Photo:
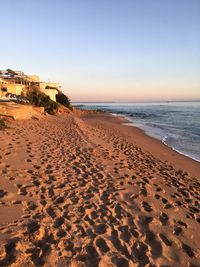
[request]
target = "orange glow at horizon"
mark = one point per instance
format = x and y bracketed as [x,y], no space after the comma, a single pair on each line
[133,92]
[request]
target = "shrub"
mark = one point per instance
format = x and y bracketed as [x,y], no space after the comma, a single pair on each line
[63,100]
[51,107]
[39,99]
[2,124]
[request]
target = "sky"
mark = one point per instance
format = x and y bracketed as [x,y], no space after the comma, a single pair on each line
[106,50]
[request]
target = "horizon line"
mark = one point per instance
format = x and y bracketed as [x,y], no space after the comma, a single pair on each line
[145,101]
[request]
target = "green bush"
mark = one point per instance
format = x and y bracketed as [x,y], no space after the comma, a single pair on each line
[63,100]
[2,124]
[51,107]
[39,99]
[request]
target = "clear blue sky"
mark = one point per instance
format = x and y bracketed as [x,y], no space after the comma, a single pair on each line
[106,49]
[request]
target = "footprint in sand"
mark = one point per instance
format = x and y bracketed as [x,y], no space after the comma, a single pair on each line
[164,218]
[102,245]
[146,206]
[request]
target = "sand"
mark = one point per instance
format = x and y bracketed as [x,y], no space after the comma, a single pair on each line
[19,111]
[85,190]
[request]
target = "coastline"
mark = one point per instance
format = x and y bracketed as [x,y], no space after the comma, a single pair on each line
[155,146]
[82,189]
[176,124]
[161,140]
[131,123]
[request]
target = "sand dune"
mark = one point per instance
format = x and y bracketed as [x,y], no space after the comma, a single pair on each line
[83,190]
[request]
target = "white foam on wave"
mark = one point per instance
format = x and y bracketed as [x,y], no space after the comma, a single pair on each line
[163,140]
[178,151]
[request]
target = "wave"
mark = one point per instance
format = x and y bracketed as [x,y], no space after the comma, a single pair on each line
[178,151]
[160,134]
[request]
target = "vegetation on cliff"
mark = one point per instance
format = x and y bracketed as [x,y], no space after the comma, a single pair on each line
[39,99]
[64,100]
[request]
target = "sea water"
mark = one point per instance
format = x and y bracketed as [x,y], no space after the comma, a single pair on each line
[176,124]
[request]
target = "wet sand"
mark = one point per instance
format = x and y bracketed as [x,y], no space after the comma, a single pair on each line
[85,190]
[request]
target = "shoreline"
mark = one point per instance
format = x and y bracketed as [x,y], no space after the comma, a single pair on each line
[157,148]
[145,132]
[161,140]
[82,189]
[181,153]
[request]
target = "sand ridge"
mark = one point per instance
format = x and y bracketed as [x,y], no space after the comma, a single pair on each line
[86,195]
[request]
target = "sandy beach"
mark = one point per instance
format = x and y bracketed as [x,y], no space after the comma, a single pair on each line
[83,189]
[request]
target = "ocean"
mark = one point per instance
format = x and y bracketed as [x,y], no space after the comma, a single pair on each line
[176,124]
